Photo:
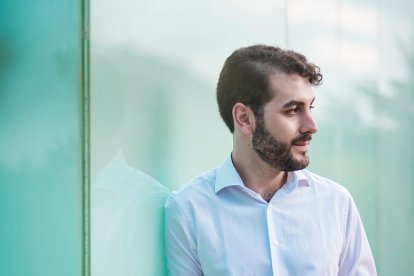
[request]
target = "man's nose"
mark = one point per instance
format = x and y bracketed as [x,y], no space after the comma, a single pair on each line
[309,124]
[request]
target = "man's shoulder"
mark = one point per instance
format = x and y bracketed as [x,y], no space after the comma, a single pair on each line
[197,189]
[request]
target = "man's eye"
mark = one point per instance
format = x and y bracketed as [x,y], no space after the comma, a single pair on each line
[292,111]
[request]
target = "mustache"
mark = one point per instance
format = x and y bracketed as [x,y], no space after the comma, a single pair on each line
[302,138]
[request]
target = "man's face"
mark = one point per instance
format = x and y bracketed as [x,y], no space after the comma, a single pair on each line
[285,127]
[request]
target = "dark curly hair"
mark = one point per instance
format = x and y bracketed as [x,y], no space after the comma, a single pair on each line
[245,77]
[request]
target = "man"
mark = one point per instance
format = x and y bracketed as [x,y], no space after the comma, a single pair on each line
[261,213]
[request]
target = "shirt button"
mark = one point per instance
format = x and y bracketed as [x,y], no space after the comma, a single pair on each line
[276,242]
[270,205]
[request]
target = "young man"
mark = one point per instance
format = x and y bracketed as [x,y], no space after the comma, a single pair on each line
[261,213]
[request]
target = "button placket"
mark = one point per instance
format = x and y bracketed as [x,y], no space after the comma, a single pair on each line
[273,242]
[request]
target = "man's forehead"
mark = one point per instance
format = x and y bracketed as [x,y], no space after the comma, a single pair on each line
[290,87]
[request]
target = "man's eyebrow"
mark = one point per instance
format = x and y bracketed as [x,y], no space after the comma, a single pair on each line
[293,102]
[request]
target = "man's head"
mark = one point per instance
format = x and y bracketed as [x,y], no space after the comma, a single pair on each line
[275,86]
[245,77]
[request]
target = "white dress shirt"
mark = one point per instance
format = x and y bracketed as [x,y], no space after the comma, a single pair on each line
[216,226]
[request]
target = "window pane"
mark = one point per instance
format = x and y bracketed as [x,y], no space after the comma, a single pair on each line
[154,67]
[40,138]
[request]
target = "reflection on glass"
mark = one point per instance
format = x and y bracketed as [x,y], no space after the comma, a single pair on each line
[126,223]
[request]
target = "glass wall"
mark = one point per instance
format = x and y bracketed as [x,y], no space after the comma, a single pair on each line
[40,138]
[155,125]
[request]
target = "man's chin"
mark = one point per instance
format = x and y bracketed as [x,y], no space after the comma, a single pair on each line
[304,163]
[299,163]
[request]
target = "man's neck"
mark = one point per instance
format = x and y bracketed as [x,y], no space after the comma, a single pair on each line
[258,175]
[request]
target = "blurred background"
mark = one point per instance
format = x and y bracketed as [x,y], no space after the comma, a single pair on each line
[154,123]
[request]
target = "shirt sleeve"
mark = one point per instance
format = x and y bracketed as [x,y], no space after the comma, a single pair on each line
[356,258]
[180,244]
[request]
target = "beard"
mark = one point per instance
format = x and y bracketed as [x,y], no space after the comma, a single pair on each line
[275,153]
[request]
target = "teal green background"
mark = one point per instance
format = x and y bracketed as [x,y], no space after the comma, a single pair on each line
[40,138]
[154,67]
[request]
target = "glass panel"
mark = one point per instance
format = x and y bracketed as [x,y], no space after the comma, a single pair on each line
[40,138]
[395,116]
[154,69]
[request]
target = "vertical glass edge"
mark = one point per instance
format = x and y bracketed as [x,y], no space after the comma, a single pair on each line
[85,139]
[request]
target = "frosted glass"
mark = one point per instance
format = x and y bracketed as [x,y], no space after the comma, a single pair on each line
[40,139]
[154,67]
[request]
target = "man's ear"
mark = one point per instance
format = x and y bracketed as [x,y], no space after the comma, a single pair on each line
[243,118]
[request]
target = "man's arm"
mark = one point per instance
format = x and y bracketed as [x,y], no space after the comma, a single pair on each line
[356,257]
[180,243]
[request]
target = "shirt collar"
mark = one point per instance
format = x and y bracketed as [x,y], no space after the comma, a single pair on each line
[303,181]
[227,175]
